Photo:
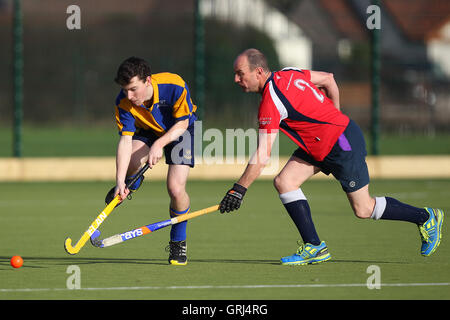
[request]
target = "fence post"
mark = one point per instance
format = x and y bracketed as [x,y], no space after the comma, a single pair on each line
[375,84]
[17,78]
[199,58]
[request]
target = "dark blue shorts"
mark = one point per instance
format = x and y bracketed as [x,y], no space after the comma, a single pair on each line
[346,160]
[180,151]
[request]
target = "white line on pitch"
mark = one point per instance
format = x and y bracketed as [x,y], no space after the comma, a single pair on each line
[262,286]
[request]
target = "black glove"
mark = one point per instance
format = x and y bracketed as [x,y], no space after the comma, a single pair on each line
[233,198]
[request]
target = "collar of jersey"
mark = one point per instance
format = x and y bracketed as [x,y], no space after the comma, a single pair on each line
[267,81]
[155,94]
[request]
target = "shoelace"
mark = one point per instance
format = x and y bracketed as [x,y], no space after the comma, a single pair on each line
[424,233]
[301,250]
[176,249]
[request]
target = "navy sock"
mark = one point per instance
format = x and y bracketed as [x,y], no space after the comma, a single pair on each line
[298,208]
[136,184]
[396,210]
[178,231]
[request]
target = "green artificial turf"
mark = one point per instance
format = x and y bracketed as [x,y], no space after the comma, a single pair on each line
[231,256]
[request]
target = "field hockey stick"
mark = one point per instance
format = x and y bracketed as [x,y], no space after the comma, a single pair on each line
[118,238]
[100,218]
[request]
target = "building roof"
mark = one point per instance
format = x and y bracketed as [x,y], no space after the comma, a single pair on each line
[344,18]
[419,20]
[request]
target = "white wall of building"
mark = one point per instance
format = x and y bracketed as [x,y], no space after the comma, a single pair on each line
[439,49]
[293,47]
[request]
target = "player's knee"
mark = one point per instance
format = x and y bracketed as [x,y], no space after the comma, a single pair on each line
[176,191]
[277,183]
[284,184]
[281,184]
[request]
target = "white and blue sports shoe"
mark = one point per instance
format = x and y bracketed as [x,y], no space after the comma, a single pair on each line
[308,254]
[430,231]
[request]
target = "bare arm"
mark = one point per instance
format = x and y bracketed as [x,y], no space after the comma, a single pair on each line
[326,80]
[233,197]
[123,157]
[259,160]
[156,151]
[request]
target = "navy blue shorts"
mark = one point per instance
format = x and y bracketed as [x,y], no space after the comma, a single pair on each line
[180,151]
[346,160]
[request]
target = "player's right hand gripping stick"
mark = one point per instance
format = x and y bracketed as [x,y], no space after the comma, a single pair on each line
[233,198]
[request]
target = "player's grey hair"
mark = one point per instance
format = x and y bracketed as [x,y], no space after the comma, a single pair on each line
[256,59]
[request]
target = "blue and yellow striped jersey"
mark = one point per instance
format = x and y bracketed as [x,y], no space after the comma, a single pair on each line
[171,103]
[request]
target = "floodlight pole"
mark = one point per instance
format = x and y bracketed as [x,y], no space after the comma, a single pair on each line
[17,78]
[199,58]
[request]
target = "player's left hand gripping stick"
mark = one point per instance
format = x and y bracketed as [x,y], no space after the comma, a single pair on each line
[100,218]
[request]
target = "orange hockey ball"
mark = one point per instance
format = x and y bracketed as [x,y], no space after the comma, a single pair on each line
[16,261]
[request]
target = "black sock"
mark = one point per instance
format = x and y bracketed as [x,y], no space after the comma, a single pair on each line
[396,210]
[299,211]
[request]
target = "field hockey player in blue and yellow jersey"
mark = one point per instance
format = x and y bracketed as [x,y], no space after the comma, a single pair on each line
[155,115]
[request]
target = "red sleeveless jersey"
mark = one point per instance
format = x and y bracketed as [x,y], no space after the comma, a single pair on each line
[292,103]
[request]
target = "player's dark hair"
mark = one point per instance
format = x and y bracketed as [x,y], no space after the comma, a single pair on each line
[130,68]
[256,59]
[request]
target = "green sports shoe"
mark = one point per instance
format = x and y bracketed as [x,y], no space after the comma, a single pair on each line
[430,231]
[308,254]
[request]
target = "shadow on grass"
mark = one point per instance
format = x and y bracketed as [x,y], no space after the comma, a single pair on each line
[34,261]
[367,261]
[42,262]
